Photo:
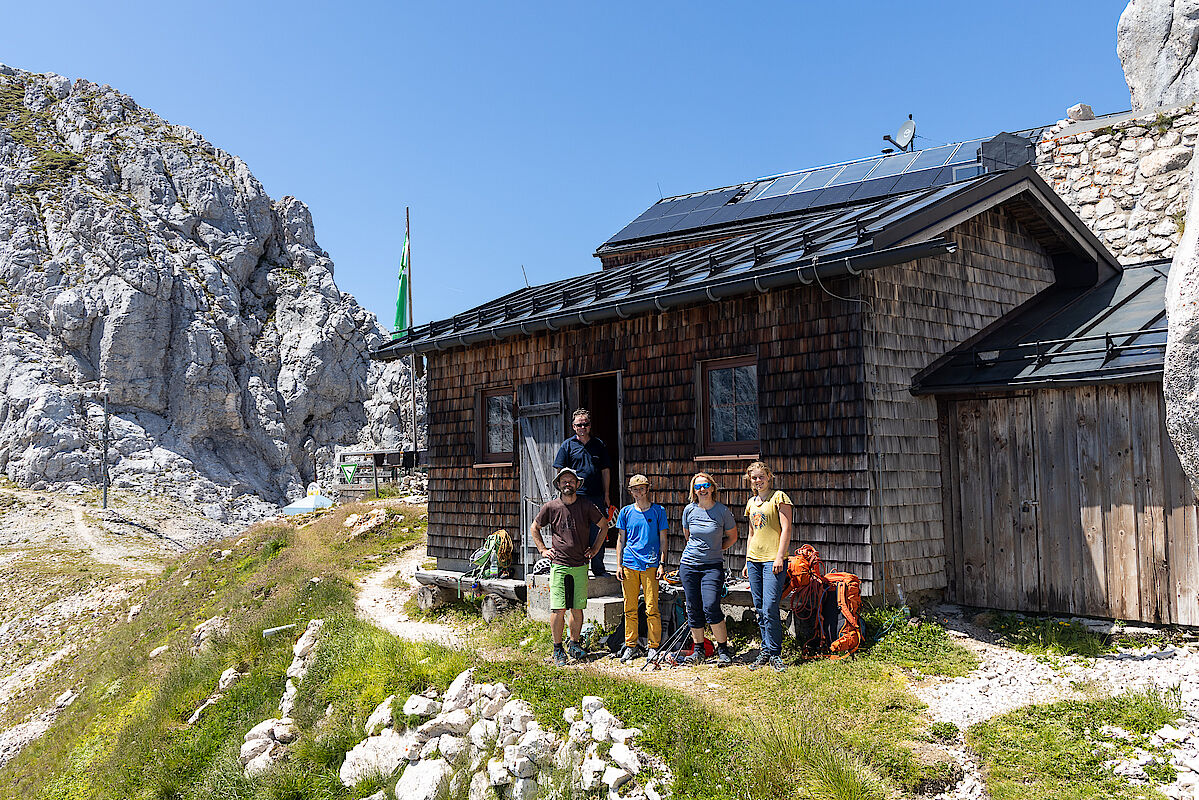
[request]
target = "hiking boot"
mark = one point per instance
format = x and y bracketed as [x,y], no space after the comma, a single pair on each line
[778,664]
[629,653]
[559,656]
[651,654]
[695,658]
[576,651]
[761,661]
[724,656]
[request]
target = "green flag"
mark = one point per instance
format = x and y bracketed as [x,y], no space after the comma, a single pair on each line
[402,322]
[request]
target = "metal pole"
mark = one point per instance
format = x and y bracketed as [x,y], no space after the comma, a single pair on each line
[104,462]
[412,363]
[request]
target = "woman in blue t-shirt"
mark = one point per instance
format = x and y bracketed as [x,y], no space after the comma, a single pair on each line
[710,529]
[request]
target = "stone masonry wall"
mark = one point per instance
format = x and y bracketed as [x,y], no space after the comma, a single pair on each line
[1129,182]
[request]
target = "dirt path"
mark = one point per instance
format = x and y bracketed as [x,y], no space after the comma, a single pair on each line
[383,605]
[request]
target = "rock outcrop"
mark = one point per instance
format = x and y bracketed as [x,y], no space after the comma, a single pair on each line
[138,259]
[1158,41]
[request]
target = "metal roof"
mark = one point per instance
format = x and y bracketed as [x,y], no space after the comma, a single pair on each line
[1113,332]
[852,181]
[817,244]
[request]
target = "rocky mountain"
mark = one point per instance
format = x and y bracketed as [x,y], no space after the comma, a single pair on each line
[1158,41]
[139,259]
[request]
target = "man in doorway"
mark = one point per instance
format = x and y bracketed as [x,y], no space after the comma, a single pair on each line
[587,457]
[570,518]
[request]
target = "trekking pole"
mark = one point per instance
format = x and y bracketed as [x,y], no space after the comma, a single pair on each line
[665,647]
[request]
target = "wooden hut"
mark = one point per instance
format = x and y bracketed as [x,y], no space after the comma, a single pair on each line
[781,319]
[1063,492]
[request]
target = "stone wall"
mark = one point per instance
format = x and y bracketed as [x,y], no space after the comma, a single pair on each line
[1129,181]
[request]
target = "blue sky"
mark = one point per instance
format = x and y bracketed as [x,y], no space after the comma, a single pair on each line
[528,133]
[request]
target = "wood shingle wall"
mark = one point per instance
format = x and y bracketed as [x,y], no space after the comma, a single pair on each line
[811,411]
[920,311]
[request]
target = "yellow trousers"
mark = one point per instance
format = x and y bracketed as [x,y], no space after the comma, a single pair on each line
[634,582]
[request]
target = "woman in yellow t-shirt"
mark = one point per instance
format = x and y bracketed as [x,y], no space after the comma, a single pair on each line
[769,515]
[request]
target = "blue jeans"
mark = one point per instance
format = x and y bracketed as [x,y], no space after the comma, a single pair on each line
[703,585]
[767,590]
[597,562]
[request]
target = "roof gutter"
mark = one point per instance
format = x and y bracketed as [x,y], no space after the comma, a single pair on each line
[801,271]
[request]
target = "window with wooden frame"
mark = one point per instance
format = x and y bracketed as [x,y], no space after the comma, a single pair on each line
[728,395]
[494,429]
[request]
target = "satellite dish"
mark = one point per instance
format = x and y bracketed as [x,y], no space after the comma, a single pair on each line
[907,132]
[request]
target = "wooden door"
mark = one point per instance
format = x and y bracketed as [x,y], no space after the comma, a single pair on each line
[540,425]
[996,553]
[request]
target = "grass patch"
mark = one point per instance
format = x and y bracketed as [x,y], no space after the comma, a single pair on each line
[1044,635]
[914,643]
[786,762]
[126,734]
[1048,752]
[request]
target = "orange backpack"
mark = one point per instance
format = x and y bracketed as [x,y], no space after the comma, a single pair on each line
[824,608]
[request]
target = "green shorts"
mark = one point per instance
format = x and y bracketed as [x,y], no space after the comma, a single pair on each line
[568,587]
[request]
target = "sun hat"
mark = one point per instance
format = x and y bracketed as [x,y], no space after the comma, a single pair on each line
[564,471]
[638,480]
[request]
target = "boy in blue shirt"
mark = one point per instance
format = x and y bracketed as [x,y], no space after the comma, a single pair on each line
[642,528]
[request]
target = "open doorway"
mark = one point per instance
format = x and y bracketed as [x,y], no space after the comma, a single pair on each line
[600,394]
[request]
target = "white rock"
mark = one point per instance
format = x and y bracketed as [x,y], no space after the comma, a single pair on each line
[429,750]
[524,788]
[423,780]
[483,733]
[571,715]
[1156,42]
[380,718]
[625,758]
[458,694]
[307,640]
[497,773]
[579,731]
[615,777]
[227,679]
[591,704]
[490,707]
[253,748]
[457,722]
[157,651]
[262,730]
[479,786]
[420,706]
[536,746]
[591,773]
[262,762]
[375,756]
[1080,111]
[284,730]
[451,747]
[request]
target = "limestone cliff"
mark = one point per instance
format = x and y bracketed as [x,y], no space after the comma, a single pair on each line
[1158,41]
[137,258]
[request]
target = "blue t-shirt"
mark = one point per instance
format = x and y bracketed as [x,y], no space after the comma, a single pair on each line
[706,533]
[589,461]
[642,542]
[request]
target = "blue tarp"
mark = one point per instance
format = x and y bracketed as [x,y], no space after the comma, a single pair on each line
[307,504]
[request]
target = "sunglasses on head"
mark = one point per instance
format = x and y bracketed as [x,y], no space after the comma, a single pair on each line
[703,486]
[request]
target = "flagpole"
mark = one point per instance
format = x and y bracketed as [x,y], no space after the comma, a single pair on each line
[412,360]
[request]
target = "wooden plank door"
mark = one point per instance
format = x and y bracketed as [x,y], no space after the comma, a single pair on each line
[996,509]
[540,425]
